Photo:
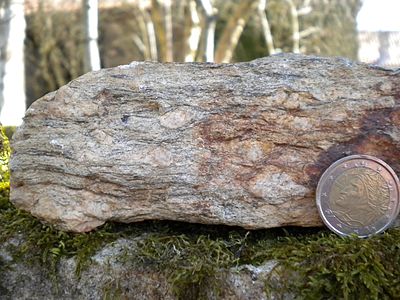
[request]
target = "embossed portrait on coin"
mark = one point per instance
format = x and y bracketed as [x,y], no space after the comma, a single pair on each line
[359,197]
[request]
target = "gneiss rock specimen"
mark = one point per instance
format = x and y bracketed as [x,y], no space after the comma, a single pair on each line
[238,144]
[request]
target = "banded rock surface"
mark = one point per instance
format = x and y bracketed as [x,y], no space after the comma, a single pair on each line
[237,144]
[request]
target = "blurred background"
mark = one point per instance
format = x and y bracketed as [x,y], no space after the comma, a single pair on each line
[46,43]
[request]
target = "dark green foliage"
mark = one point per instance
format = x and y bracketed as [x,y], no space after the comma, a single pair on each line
[313,263]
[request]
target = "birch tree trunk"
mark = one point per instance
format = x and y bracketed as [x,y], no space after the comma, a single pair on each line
[92,54]
[14,98]
[265,27]
[195,32]
[295,26]
[151,34]
[157,18]
[5,16]
[209,30]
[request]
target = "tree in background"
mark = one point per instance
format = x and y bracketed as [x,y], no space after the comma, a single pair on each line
[233,30]
[210,23]
[5,16]
[12,69]
[54,47]
[324,28]
[184,30]
[90,28]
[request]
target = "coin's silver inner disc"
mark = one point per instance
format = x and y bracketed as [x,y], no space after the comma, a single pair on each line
[358,194]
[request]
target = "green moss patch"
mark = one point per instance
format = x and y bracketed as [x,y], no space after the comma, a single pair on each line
[330,267]
[313,263]
[9,131]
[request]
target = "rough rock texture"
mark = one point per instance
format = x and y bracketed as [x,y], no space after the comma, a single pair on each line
[110,276]
[24,280]
[237,144]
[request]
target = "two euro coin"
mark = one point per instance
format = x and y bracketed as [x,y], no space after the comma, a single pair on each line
[359,195]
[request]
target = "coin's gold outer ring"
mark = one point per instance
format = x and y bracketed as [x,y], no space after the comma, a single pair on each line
[328,172]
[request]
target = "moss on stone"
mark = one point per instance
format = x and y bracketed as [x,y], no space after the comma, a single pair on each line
[192,262]
[9,131]
[42,242]
[331,267]
[313,263]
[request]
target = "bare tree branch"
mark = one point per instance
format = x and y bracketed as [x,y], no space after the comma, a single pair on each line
[156,13]
[145,6]
[139,43]
[169,35]
[145,37]
[295,26]
[92,55]
[195,32]
[210,23]
[308,31]
[265,27]
[305,8]
[233,30]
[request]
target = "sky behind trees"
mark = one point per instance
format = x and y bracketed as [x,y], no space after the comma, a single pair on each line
[379,15]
